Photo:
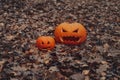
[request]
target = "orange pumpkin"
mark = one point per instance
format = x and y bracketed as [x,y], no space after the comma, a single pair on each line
[70,33]
[45,42]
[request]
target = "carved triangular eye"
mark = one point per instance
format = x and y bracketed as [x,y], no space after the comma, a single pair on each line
[75,30]
[42,42]
[48,42]
[64,30]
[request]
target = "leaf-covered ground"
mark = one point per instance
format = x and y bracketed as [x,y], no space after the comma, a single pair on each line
[23,21]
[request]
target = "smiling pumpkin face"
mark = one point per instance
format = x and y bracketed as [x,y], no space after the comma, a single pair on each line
[70,33]
[45,42]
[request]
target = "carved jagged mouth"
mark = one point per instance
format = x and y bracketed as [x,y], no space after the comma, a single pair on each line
[70,38]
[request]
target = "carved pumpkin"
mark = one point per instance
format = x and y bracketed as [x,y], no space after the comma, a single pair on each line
[70,33]
[45,42]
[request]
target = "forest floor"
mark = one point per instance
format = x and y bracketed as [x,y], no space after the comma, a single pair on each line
[23,21]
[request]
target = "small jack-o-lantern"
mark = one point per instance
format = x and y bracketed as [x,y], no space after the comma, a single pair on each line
[45,42]
[70,33]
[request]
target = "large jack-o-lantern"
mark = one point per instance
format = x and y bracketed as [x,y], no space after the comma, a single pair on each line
[70,33]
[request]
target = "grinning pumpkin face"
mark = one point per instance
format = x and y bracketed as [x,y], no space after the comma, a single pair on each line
[45,42]
[70,33]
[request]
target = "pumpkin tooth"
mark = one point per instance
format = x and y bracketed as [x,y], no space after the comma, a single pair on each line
[78,40]
[61,39]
